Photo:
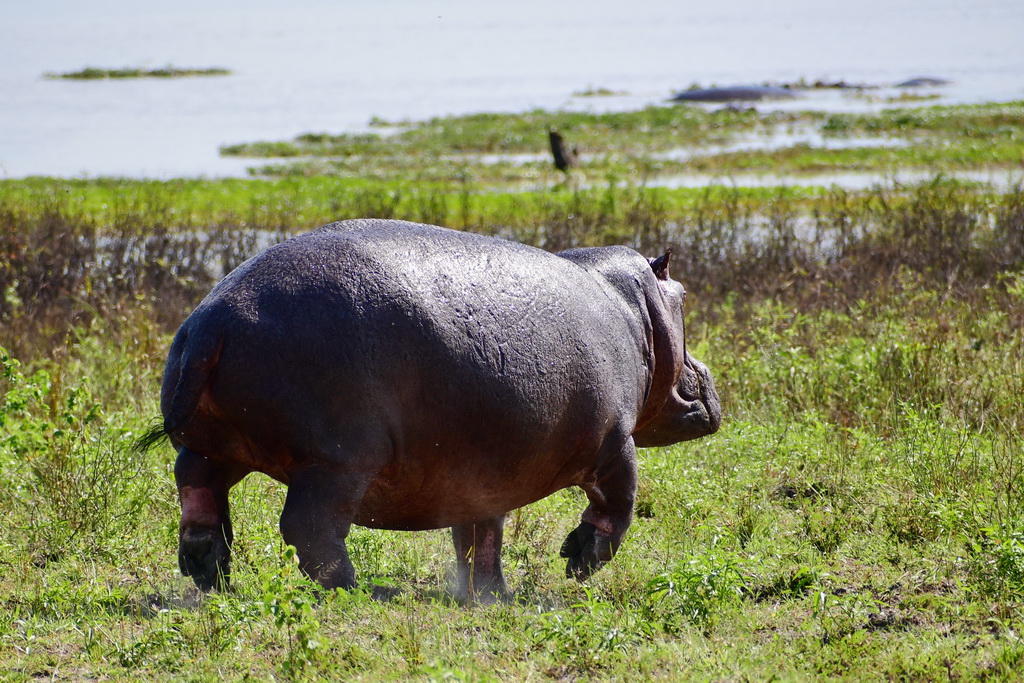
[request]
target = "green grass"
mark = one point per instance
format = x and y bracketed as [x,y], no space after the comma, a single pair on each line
[294,203]
[447,151]
[858,517]
[92,73]
[977,120]
[804,159]
[648,129]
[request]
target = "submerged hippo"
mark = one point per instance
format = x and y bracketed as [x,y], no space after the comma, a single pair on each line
[736,93]
[405,376]
[922,82]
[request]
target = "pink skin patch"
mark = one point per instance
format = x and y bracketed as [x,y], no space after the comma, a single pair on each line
[603,523]
[199,507]
[486,552]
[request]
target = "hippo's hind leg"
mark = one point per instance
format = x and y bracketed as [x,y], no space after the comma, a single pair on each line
[316,520]
[612,493]
[204,534]
[478,553]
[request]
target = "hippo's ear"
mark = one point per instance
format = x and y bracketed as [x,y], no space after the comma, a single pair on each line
[660,265]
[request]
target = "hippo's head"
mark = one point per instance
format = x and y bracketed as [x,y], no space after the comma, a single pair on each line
[682,403]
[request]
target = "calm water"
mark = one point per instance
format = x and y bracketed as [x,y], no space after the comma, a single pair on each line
[319,65]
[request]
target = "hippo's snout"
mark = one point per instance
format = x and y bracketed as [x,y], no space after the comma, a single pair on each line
[693,410]
[706,394]
[698,409]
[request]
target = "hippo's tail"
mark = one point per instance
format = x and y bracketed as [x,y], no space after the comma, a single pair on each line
[151,437]
[190,367]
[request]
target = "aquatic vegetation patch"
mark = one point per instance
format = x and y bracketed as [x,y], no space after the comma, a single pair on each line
[972,121]
[92,73]
[598,92]
[510,151]
[808,159]
[649,128]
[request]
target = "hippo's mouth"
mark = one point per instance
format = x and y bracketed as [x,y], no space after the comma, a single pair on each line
[693,410]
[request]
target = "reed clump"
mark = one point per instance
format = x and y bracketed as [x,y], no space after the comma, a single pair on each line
[61,270]
[62,266]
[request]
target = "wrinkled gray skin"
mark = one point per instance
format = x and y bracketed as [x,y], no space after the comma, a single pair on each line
[405,376]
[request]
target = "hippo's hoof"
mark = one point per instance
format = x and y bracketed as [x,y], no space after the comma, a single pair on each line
[203,554]
[581,547]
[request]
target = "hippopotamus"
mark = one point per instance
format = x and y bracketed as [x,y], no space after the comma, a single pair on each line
[403,376]
[735,93]
[922,82]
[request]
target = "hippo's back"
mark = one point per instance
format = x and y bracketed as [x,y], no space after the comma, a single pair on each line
[373,295]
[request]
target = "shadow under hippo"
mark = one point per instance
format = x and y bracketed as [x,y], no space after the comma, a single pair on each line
[405,376]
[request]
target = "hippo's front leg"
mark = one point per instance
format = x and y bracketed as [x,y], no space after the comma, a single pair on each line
[204,534]
[478,553]
[612,492]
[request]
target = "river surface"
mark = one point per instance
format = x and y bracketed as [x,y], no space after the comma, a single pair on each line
[332,65]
